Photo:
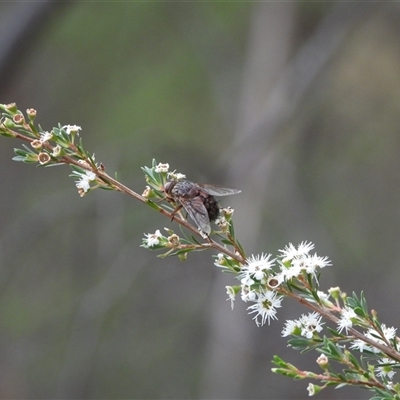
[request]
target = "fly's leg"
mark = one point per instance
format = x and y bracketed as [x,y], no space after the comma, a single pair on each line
[177,211]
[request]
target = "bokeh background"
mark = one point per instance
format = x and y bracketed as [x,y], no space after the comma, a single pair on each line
[295,103]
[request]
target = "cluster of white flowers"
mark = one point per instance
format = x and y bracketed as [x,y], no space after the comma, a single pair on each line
[163,168]
[306,325]
[388,335]
[258,281]
[386,365]
[296,260]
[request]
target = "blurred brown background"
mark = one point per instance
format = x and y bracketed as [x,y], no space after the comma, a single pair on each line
[295,103]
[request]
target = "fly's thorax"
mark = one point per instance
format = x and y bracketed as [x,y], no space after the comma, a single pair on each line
[185,189]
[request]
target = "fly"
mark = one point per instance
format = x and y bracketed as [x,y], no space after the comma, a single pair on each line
[197,199]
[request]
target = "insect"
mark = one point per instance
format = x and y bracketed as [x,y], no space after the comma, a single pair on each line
[197,199]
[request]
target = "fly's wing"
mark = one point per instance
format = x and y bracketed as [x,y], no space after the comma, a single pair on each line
[198,212]
[216,190]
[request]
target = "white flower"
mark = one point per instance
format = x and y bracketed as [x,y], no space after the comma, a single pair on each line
[177,176]
[85,178]
[72,129]
[222,223]
[247,294]
[310,323]
[322,295]
[385,369]
[152,239]
[255,268]
[246,280]
[290,252]
[389,333]
[290,328]
[162,167]
[313,389]
[265,307]
[292,271]
[346,319]
[311,263]
[56,151]
[45,136]
[360,345]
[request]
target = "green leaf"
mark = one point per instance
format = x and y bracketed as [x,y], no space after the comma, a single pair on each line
[152,205]
[228,242]
[285,372]
[301,344]
[75,168]
[5,133]
[383,395]
[315,294]
[240,248]
[103,187]
[28,149]
[227,271]
[334,349]
[194,240]
[19,158]
[335,333]
[359,305]
[21,152]
[231,229]
[354,361]
[278,361]
[29,161]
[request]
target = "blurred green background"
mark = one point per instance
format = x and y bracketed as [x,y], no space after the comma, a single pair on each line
[295,103]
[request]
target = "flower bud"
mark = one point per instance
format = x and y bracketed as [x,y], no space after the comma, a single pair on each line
[148,193]
[335,292]
[31,113]
[323,361]
[9,123]
[182,256]
[313,389]
[12,108]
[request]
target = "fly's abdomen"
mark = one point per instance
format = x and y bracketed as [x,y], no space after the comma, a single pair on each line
[211,206]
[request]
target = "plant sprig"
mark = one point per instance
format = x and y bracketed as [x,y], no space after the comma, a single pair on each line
[340,328]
